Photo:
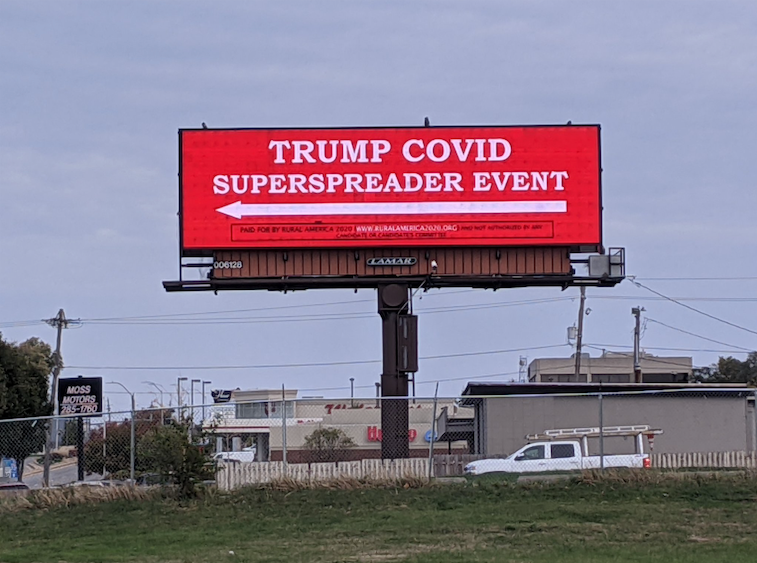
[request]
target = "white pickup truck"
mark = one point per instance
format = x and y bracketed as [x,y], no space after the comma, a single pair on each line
[566,455]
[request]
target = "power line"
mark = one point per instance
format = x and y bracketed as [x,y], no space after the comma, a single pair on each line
[696,278]
[186,318]
[236,320]
[709,299]
[431,382]
[319,316]
[257,309]
[713,317]
[469,378]
[311,364]
[695,335]
[12,324]
[606,347]
[20,324]
[646,358]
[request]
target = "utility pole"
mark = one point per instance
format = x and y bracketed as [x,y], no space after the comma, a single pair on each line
[636,312]
[59,323]
[580,334]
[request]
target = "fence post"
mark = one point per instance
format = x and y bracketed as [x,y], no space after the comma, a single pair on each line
[132,453]
[80,448]
[601,435]
[433,436]
[283,430]
[105,447]
[754,422]
[48,449]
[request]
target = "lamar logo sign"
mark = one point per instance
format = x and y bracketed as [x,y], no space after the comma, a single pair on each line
[391,261]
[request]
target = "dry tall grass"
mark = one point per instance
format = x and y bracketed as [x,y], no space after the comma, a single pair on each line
[343,483]
[651,477]
[70,496]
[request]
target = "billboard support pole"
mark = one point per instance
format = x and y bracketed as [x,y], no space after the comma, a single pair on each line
[395,424]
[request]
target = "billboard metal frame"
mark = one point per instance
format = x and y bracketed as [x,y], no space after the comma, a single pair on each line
[362,282]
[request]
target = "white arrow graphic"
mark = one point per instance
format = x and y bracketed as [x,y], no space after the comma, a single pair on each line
[239,209]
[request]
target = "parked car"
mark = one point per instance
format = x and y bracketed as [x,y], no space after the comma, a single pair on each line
[243,456]
[553,456]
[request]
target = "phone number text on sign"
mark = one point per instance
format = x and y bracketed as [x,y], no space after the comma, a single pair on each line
[73,410]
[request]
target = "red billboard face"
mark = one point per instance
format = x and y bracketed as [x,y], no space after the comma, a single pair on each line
[433,186]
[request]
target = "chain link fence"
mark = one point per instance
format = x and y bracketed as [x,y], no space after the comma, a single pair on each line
[248,442]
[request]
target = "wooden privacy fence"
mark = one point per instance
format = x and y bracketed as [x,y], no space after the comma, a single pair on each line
[714,460]
[230,476]
[452,465]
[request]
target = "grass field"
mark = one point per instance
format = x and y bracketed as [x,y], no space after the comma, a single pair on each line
[662,519]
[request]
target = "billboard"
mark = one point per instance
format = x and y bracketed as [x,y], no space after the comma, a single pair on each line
[80,396]
[389,187]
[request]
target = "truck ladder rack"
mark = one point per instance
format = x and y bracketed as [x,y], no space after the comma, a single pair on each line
[591,432]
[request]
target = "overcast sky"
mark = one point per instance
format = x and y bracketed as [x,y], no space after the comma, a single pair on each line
[93,94]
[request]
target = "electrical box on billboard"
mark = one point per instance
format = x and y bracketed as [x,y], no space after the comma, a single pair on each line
[407,333]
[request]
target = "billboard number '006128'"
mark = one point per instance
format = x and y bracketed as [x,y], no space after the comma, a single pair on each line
[385,187]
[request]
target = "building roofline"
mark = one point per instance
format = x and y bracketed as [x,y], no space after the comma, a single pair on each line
[511,388]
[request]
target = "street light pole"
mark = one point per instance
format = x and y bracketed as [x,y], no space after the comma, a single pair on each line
[160,390]
[204,402]
[178,392]
[133,431]
[192,400]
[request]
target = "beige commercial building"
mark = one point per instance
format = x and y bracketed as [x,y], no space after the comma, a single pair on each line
[693,417]
[611,367]
[256,419]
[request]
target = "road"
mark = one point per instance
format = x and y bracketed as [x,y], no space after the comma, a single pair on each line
[60,474]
